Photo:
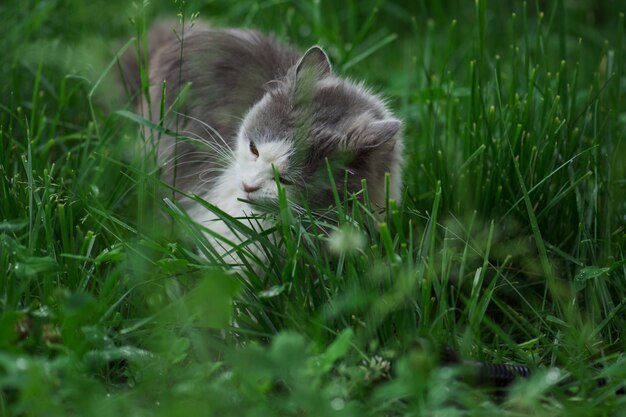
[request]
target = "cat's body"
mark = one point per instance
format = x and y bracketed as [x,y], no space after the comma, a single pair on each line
[257,110]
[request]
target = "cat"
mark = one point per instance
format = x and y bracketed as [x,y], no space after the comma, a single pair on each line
[257,115]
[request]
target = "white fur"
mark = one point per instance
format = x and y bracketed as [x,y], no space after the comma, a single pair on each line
[228,192]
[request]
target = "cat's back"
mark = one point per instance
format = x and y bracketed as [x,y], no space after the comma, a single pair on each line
[226,69]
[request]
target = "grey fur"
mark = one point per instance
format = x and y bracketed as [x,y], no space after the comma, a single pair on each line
[244,82]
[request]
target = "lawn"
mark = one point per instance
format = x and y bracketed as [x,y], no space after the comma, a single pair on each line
[507,246]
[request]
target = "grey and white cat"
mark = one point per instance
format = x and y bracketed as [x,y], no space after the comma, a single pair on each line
[256,109]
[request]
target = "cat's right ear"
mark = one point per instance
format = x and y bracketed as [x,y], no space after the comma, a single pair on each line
[316,60]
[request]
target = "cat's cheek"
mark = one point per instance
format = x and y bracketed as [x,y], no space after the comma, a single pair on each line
[273,193]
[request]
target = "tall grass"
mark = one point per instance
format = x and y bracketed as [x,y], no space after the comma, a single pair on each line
[507,246]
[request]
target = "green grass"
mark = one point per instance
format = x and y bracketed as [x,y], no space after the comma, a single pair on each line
[508,245]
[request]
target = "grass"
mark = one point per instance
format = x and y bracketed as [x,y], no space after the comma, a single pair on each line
[508,245]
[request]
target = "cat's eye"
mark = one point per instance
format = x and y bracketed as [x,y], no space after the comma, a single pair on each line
[284,181]
[253,149]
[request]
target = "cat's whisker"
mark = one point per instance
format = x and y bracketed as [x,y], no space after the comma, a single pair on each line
[216,157]
[297,208]
[232,116]
[202,176]
[217,149]
[220,169]
[197,173]
[197,154]
[180,160]
[186,139]
[197,157]
[180,174]
[212,130]
[194,138]
[185,159]
[194,175]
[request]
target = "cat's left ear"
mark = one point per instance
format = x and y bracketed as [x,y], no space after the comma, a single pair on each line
[377,133]
[315,59]
[384,130]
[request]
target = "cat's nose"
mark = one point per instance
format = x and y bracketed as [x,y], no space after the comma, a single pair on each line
[249,188]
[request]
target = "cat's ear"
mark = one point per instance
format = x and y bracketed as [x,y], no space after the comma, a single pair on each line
[376,133]
[316,60]
[383,130]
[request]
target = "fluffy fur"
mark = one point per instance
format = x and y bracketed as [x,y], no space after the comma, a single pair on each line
[256,109]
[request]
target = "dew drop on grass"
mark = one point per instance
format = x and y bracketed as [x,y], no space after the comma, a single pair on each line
[552,377]
[337,404]
[346,240]
[21,364]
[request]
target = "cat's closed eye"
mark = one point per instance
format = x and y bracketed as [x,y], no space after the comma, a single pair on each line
[284,181]
[253,149]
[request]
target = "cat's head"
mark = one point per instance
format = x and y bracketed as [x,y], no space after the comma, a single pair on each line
[309,121]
